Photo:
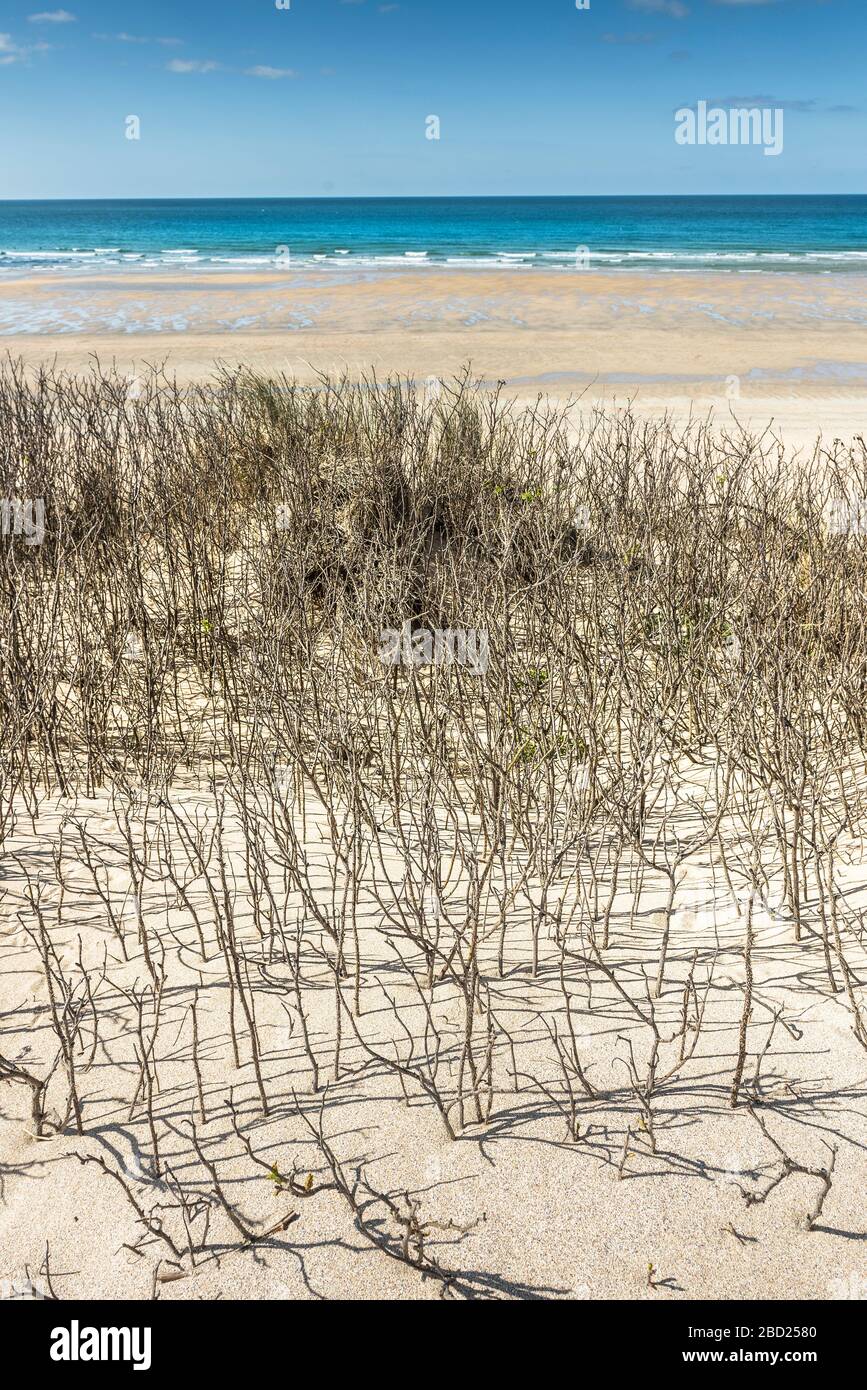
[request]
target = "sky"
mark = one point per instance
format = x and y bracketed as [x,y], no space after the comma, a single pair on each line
[332,98]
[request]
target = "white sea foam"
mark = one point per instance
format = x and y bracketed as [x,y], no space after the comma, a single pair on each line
[659,259]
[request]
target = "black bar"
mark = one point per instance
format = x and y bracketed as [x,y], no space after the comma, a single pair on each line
[631,1341]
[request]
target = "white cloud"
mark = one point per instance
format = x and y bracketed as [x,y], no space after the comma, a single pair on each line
[191,65]
[262,70]
[11,52]
[52,17]
[137,38]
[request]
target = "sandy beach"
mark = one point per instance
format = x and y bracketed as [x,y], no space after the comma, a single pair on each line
[535,1214]
[326,977]
[782,350]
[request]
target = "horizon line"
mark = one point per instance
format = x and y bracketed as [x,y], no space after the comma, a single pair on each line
[414,197]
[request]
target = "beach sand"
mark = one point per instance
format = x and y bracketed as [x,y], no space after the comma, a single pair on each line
[540,1213]
[545,1216]
[787,351]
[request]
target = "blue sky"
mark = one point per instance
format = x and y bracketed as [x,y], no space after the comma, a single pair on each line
[330,97]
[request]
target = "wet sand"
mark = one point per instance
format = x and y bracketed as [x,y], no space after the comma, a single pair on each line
[785,350]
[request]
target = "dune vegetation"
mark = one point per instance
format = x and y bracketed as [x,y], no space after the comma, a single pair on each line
[517,954]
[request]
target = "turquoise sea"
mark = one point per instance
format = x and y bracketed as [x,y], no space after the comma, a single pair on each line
[803,233]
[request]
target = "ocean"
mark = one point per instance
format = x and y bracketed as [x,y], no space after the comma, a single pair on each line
[822,233]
